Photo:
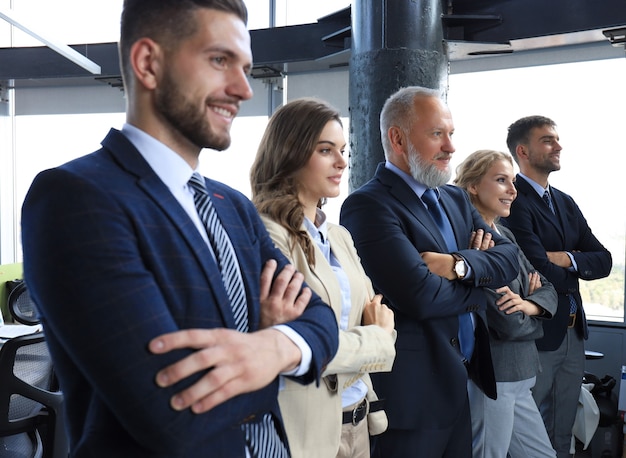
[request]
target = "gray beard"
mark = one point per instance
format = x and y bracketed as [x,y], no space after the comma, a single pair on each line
[427,174]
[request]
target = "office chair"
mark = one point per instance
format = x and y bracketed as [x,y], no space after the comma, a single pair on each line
[31,413]
[21,306]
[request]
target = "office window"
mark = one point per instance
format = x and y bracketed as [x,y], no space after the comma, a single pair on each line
[586,101]
[79,21]
[258,14]
[66,21]
[292,12]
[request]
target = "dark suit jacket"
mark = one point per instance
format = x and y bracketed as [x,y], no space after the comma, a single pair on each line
[538,230]
[112,260]
[426,388]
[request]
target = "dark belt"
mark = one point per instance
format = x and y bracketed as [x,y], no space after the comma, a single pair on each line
[357,414]
[572,320]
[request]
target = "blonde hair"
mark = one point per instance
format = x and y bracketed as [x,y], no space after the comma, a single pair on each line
[475,166]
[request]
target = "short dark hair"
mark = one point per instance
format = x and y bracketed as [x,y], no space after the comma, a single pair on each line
[519,131]
[167,22]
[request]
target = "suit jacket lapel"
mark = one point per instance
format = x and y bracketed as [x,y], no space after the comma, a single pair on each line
[154,187]
[129,159]
[559,206]
[354,276]
[535,199]
[238,233]
[327,278]
[405,195]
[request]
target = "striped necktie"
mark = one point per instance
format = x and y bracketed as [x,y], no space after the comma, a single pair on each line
[262,438]
[466,327]
[223,250]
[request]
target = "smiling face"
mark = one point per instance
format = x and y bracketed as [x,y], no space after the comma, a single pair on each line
[430,147]
[495,192]
[204,80]
[320,178]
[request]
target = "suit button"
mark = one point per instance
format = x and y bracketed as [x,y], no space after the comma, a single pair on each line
[454,342]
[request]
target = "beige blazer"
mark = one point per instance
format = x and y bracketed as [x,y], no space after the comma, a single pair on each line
[312,414]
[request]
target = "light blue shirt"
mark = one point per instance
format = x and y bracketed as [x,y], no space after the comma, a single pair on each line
[319,233]
[175,172]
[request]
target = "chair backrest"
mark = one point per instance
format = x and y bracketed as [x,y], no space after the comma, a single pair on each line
[21,306]
[29,400]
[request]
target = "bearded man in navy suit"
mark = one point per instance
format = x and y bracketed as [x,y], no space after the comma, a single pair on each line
[556,239]
[431,281]
[136,311]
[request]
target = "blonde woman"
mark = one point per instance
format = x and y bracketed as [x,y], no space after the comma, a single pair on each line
[299,164]
[512,422]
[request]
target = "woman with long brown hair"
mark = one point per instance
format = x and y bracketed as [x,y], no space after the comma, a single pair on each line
[299,164]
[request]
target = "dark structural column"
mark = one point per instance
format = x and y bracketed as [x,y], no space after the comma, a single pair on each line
[395,43]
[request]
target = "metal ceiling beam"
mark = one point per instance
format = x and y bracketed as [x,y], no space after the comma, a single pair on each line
[42,62]
[516,20]
[472,28]
[12,18]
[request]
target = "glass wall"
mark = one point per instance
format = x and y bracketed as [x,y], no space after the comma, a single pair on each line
[66,21]
[583,98]
[586,102]
[292,12]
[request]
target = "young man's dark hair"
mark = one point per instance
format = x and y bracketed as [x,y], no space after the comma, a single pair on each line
[519,131]
[166,22]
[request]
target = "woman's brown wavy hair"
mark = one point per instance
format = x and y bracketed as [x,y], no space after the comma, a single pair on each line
[289,140]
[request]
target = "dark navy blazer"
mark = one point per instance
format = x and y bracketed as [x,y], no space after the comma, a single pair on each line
[426,388]
[538,230]
[113,260]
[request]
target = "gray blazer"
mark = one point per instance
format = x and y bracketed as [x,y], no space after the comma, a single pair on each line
[512,337]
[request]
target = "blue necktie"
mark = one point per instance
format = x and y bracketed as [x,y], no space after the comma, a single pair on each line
[548,201]
[466,328]
[572,302]
[262,438]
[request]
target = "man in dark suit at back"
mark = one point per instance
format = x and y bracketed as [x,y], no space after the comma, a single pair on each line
[163,319]
[555,237]
[421,260]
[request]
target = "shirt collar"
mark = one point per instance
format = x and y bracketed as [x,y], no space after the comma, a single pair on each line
[417,187]
[320,227]
[536,186]
[166,163]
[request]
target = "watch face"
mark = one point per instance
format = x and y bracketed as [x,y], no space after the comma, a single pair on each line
[459,268]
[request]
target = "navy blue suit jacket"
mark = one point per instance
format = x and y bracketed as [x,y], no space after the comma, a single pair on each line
[113,260]
[537,231]
[426,388]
